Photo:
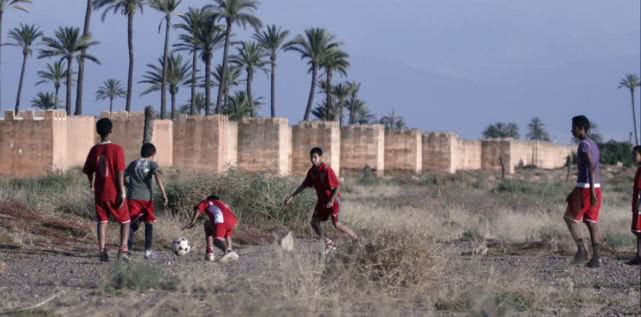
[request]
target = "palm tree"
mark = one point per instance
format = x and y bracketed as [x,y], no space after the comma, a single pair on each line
[239,106]
[192,21]
[239,12]
[5,5]
[44,101]
[198,102]
[168,8]
[325,112]
[68,44]
[272,40]
[393,120]
[313,46]
[232,79]
[208,37]
[24,36]
[110,89]
[341,92]
[536,130]
[251,57]
[178,75]
[55,73]
[81,61]
[359,113]
[128,8]
[335,60]
[631,81]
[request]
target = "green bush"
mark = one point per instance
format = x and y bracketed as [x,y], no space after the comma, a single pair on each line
[619,240]
[613,152]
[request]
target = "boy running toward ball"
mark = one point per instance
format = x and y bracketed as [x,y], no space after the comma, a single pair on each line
[636,217]
[105,167]
[324,180]
[219,228]
[138,177]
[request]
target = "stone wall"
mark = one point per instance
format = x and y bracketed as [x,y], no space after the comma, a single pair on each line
[361,146]
[265,145]
[440,151]
[403,151]
[495,150]
[307,135]
[539,154]
[204,143]
[469,154]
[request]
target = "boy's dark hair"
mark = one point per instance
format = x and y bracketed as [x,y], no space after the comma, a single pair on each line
[316,150]
[213,197]
[636,149]
[147,150]
[103,127]
[581,122]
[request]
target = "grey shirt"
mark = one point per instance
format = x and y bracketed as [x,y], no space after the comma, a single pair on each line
[140,172]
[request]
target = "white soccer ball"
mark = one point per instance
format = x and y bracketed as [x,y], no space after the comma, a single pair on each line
[181,246]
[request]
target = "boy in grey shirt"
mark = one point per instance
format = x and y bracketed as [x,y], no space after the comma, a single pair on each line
[138,177]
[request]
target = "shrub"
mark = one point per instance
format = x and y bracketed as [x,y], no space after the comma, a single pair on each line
[135,276]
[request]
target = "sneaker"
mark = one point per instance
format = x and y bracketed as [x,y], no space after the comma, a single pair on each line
[330,246]
[149,255]
[595,262]
[580,258]
[104,256]
[229,257]
[209,256]
[635,261]
[124,256]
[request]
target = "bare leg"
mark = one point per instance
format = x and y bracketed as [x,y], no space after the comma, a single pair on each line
[343,228]
[220,244]
[638,244]
[209,238]
[101,229]
[124,236]
[228,243]
[317,228]
[595,236]
[581,254]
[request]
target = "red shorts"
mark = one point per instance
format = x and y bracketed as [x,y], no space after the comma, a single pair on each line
[580,208]
[104,208]
[144,207]
[636,222]
[322,213]
[223,230]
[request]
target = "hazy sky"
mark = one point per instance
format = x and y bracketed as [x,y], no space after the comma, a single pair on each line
[444,65]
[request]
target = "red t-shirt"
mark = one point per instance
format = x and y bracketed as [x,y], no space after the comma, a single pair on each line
[636,190]
[217,211]
[323,179]
[105,159]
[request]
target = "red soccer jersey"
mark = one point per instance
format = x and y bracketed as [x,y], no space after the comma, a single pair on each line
[636,189]
[105,160]
[323,179]
[217,211]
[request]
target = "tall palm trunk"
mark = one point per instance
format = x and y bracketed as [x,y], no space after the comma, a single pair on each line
[1,16]
[225,52]
[25,55]
[69,73]
[194,62]
[328,96]
[111,104]
[163,84]
[273,85]
[634,117]
[341,104]
[57,89]
[173,105]
[351,113]
[208,84]
[130,43]
[81,61]
[250,78]
[312,90]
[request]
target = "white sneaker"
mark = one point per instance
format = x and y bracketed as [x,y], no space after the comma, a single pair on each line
[229,257]
[148,255]
[209,257]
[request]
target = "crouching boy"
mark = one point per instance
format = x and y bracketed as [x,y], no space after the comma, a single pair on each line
[219,228]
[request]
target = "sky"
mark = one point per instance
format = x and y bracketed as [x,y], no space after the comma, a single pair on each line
[456,65]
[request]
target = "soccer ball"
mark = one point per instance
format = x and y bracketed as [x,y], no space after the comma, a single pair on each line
[181,246]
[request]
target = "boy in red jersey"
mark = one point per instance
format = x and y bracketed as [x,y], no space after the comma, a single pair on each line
[140,202]
[105,167]
[219,228]
[324,180]
[636,217]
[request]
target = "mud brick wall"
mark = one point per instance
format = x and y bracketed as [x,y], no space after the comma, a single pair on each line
[469,155]
[403,151]
[204,143]
[310,134]
[265,145]
[440,152]
[362,145]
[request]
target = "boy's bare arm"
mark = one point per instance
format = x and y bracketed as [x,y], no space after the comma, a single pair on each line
[161,185]
[587,156]
[296,192]
[123,191]
[90,177]
[330,203]
[193,219]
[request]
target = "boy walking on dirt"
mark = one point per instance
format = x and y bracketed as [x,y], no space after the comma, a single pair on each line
[324,180]
[104,167]
[138,177]
[636,218]
[584,202]
[219,228]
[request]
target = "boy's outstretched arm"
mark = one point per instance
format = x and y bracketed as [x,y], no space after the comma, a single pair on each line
[161,185]
[193,219]
[330,203]
[296,192]
[123,190]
